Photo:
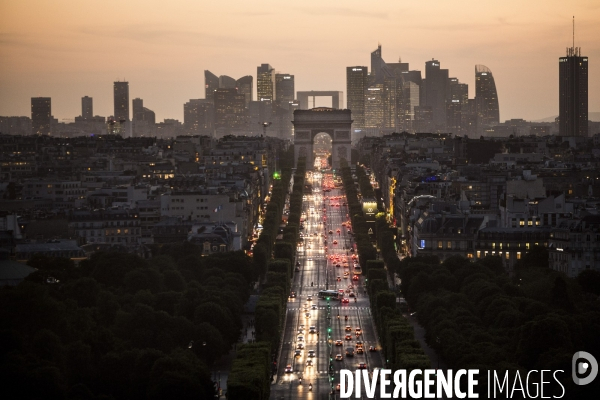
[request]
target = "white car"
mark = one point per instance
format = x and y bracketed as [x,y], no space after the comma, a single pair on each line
[311,353]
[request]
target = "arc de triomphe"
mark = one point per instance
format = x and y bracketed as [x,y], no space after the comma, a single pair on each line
[309,123]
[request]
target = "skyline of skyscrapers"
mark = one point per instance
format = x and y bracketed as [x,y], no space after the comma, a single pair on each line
[121,100]
[573,93]
[41,115]
[284,89]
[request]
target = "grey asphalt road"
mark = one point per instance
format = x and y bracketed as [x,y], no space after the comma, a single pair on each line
[318,272]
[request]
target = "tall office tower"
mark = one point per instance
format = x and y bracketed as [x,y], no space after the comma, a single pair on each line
[230,109]
[357,80]
[379,69]
[410,101]
[41,115]
[198,116]
[284,90]
[458,98]
[138,109]
[121,99]
[211,84]
[392,100]
[245,86]
[265,83]
[87,108]
[486,98]
[374,106]
[573,93]
[435,92]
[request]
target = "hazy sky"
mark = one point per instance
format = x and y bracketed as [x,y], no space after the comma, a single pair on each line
[66,49]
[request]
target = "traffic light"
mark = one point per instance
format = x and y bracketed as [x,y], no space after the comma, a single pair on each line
[276,175]
[329,329]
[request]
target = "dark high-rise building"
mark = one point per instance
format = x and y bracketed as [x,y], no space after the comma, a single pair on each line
[198,116]
[374,106]
[573,93]
[435,92]
[357,81]
[41,115]
[486,98]
[87,108]
[121,100]
[458,98]
[245,86]
[138,109]
[284,89]
[211,84]
[265,83]
[230,109]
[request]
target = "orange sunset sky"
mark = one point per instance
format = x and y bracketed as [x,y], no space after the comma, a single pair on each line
[66,49]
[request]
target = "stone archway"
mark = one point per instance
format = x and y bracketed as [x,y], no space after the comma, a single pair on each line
[309,123]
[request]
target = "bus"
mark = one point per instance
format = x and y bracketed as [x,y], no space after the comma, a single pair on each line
[328,294]
[357,270]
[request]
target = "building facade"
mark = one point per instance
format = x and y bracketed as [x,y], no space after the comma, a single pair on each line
[573,93]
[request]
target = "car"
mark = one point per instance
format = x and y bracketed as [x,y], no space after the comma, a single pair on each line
[335,242]
[355,277]
[297,263]
[338,357]
[309,258]
[345,300]
[338,231]
[372,348]
[359,344]
[307,315]
[300,346]
[351,294]
[346,273]
[309,363]
[362,366]
[331,232]
[298,353]
[337,387]
[311,353]
[358,330]
[337,265]
[288,369]
[360,350]
[309,297]
[348,328]
[314,307]
[339,278]
[312,329]
[300,338]
[348,336]
[349,352]
[293,295]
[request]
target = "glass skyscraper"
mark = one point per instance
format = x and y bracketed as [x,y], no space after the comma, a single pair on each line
[486,98]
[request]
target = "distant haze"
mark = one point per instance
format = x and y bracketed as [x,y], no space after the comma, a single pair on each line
[67,49]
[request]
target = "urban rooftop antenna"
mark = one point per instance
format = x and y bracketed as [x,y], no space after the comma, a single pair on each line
[573,31]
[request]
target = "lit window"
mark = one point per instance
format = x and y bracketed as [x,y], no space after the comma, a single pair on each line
[478,254]
[527,246]
[449,245]
[518,255]
[507,255]
[530,223]
[522,223]
[440,244]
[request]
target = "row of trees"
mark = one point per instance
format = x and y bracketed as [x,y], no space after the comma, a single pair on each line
[365,249]
[478,317]
[250,376]
[401,349]
[396,335]
[122,326]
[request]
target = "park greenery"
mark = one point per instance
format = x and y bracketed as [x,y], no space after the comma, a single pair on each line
[476,316]
[119,326]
